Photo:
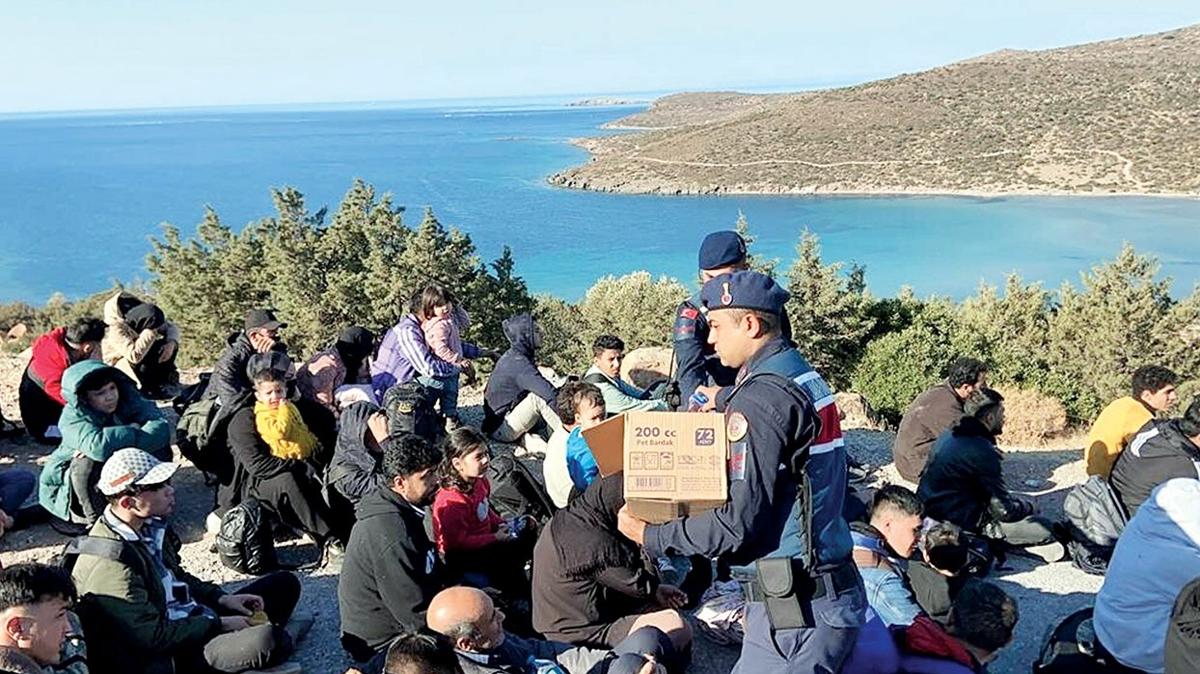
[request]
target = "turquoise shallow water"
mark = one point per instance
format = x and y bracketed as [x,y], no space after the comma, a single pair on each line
[81,195]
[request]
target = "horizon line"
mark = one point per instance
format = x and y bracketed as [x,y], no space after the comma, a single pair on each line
[557,99]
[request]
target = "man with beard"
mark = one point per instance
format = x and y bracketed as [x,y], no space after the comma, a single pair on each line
[964,483]
[391,570]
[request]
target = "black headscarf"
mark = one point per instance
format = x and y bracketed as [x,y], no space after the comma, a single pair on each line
[585,532]
[145,316]
[354,344]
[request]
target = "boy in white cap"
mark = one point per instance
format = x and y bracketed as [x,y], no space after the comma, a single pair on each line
[143,613]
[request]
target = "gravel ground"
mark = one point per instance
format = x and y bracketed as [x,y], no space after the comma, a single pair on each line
[1045,593]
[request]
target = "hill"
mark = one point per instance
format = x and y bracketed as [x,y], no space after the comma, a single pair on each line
[1120,116]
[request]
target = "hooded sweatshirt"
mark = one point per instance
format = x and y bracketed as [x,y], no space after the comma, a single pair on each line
[127,340]
[585,573]
[136,423]
[1157,555]
[516,374]
[354,470]
[390,572]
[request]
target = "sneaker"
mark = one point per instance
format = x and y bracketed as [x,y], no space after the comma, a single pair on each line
[299,625]
[212,523]
[289,667]
[1050,552]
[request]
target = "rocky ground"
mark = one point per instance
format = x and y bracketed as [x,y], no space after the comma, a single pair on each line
[1045,593]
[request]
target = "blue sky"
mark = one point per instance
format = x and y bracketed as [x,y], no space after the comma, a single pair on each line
[88,54]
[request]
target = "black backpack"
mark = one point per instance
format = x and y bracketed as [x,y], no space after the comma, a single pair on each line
[516,492]
[1071,648]
[245,542]
[200,432]
[410,409]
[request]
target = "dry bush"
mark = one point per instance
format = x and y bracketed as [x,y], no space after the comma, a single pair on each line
[1032,419]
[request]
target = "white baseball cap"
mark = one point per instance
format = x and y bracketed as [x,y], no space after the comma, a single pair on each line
[133,467]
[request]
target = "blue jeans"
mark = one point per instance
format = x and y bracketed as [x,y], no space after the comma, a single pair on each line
[447,392]
[15,487]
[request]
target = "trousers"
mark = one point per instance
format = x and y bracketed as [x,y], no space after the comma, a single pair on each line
[255,647]
[820,649]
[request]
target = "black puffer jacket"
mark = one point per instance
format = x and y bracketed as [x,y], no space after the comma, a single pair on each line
[1159,452]
[229,382]
[964,483]
[516,374]
[354,470]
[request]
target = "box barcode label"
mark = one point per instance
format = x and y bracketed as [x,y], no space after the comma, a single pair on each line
[656,482]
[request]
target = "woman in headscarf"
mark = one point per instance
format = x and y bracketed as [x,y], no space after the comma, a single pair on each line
[332,377]
[142,343]
[591,585]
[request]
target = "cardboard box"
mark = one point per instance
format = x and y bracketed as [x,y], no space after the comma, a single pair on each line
[674,463]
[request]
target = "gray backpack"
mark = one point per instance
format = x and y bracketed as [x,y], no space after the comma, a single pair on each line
[1095,514]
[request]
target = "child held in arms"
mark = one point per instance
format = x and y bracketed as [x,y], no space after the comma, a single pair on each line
[279,423]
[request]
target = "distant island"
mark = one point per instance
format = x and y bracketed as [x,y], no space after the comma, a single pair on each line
[602,101]
[1114,117]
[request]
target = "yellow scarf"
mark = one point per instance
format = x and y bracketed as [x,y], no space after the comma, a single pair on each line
[284,431]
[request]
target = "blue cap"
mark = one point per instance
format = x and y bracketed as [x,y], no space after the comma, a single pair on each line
[721,249]
[744,290]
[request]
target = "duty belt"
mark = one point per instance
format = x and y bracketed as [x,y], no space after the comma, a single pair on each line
[833,582]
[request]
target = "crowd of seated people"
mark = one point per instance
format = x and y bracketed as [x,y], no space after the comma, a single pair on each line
[435,577]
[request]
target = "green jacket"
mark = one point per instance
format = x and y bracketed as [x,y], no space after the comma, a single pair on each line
[123,607]
[136,423]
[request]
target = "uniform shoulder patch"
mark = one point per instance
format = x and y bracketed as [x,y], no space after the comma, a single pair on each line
[689,312]
[736,426]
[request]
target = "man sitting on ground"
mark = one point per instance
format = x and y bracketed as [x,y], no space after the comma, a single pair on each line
[142,343]
[1153,392]
[34,617]
[1157,555]
[881,551]
[143,613]
[620,396]
[518,399]
[468,618]
[1162,450]
[964,483]
[104,413]
[354,470]
[230,384]
[932,413]
[391,570]
[41,394]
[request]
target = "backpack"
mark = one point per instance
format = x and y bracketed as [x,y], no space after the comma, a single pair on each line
[516,492]
[409,409]
[1095,515]
[245,541]
[1071,648]
[1181,654]
[200,432]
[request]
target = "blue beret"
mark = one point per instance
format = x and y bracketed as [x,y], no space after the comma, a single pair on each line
[744,290]
[721,249]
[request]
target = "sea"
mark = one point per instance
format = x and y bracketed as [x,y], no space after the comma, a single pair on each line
[81,195]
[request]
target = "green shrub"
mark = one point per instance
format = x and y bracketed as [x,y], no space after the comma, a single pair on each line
[829,312]
[896,367]
[360,269]
[563,345]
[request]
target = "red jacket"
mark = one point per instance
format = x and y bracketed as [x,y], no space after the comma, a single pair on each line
[50,359]
[465,520]
[925,637]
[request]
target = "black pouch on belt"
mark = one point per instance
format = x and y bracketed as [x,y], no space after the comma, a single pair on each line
[787,590]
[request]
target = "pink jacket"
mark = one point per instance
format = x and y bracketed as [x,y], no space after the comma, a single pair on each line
[444,336]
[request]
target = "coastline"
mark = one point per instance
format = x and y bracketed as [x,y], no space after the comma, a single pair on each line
[564,180]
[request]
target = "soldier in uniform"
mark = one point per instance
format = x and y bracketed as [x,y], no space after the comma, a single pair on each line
[696,363]
[786,491]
